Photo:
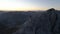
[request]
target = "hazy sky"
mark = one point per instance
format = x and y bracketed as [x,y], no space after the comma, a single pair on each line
[29,4]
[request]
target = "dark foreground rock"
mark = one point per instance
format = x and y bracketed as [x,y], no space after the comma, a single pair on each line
[30,23]
[41,24]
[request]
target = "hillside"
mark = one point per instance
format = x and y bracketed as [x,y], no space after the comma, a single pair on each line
[29,22]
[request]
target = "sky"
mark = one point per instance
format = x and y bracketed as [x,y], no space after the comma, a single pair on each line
[19,5]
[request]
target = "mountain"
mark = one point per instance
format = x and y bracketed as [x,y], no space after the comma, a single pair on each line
[46,22]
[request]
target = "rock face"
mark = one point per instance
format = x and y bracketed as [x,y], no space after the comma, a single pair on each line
[37,25]
[30,23]
[42,24]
